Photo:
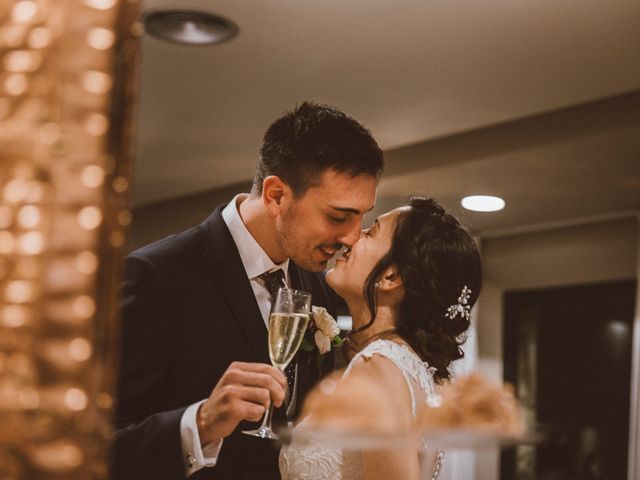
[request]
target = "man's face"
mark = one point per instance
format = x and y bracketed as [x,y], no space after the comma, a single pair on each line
[327,216]
[351,271]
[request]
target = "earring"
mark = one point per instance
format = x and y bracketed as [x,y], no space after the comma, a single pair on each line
[377,284]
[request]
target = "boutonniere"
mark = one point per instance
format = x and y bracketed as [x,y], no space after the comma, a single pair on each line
[322,333]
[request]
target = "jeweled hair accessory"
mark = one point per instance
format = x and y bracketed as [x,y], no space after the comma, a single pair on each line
[462,307]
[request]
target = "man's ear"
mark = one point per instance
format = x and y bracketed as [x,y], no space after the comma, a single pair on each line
[390,279]
[276,195]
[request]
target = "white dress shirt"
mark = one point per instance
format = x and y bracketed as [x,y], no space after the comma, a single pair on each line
[255,262]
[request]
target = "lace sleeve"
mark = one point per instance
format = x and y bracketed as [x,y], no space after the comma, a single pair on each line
[414,370]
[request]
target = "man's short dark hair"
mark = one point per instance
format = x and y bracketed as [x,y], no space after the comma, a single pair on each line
[310,139]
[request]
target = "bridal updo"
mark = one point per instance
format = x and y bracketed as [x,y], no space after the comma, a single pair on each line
[436,258]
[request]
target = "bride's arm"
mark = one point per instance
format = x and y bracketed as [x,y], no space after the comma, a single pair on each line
[393,462]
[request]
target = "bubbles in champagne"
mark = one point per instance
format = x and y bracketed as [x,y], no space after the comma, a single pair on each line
[286,331]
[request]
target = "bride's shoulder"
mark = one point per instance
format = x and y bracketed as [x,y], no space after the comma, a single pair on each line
[378,360]
[385,359]
[383,371]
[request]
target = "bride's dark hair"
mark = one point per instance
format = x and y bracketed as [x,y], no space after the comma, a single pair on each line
[435,257]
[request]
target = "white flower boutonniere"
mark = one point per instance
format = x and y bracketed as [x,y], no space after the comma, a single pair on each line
[324,329]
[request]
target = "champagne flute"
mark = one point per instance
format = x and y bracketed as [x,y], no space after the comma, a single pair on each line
[287,322]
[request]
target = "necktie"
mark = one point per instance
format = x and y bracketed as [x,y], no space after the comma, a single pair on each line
[273,281]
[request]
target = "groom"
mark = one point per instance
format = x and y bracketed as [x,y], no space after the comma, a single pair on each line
[194,367]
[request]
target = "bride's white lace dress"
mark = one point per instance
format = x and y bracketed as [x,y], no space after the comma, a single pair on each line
[322,462]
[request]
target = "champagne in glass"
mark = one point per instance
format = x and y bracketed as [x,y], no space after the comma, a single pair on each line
[286,331]
[287,323]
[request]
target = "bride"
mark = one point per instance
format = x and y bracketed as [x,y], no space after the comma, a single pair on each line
[410,282]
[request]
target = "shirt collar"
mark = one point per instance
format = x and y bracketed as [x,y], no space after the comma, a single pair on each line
[254,259]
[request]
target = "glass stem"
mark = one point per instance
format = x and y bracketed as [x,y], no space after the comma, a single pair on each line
[268,415]
[266,421]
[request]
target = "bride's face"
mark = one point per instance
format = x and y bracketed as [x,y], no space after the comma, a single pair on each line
[348,276]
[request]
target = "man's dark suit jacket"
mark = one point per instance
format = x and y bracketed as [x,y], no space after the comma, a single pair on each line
[188,312]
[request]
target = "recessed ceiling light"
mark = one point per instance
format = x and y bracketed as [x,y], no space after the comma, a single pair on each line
[483,203]
[188,27]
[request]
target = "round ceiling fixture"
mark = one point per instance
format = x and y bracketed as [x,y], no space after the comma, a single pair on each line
[483,203]
[188,27]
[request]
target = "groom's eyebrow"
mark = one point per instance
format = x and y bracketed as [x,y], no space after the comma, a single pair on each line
[355,211]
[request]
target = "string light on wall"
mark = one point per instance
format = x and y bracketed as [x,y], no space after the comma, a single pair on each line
[64,170]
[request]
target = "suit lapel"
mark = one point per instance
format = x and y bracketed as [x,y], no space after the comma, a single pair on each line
[225,266]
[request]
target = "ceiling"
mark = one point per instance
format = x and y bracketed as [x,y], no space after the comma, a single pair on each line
[536,101]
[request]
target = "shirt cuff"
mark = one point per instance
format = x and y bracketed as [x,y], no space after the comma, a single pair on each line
[195,456]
